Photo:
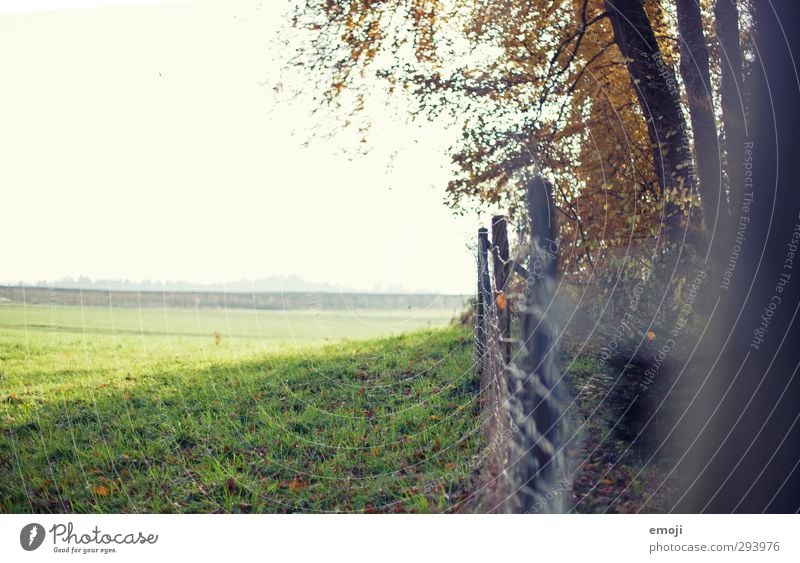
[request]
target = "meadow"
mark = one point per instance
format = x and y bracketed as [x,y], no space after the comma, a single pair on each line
[215,410]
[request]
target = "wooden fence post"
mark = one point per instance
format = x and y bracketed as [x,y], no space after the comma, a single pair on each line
[501,255]
[522,397]
[480,312]
[537,404]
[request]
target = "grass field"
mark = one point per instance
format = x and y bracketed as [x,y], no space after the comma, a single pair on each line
[207,410]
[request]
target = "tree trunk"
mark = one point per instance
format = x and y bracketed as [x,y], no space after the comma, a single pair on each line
[738,444]
[659,98]
[726,16]
[697,78]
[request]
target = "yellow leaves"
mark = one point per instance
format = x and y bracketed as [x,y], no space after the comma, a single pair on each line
[424,13]
[501,301]
[297,484]
[101,491]
[682,198]
[13,399]
[650,336]
[106,486]
[600,140]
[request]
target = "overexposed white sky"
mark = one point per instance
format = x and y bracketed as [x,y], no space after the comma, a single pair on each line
[144,141]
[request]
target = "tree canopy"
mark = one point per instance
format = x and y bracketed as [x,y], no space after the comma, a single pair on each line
[630,107]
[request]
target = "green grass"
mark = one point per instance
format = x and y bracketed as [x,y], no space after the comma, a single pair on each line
[129,411]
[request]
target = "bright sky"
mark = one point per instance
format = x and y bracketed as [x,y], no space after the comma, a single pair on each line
[145,141]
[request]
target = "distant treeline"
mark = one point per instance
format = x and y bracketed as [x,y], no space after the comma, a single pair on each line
[214,299]
[272,284]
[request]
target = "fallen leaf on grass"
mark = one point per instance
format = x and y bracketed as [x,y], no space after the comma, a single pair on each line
[101,491]
[297,484]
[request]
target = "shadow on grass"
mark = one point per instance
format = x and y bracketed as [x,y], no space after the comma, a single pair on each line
[361,426]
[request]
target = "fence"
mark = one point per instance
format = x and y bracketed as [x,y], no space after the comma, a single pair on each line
[517,360]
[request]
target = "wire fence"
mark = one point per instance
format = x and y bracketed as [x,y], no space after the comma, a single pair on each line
[516,357]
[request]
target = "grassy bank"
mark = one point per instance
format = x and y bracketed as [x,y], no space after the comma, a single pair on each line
[95,419]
